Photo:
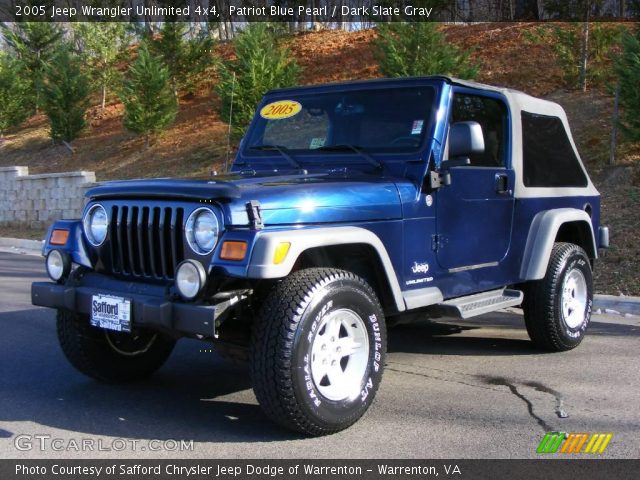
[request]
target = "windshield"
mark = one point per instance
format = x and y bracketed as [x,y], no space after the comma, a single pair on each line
[359,123]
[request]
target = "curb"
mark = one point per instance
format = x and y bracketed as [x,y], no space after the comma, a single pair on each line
[613,304]
[21,245]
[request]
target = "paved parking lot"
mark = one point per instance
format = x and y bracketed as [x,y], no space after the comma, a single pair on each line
[477,390]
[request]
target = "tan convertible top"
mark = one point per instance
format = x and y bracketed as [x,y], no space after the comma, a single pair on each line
[518,102]
[521,102]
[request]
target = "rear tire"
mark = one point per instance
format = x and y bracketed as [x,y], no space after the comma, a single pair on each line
[111,357]
[557,309]
[318,350]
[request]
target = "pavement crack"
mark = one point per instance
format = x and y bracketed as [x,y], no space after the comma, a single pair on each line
[424,375]
[514,390]
[433,369]
[560,411]
[559,405]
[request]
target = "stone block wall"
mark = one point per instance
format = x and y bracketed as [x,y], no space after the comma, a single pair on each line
[37,200]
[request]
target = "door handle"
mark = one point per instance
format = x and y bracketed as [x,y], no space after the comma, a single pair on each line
[502,184]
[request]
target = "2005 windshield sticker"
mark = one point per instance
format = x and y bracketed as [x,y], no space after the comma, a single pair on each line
[280,109]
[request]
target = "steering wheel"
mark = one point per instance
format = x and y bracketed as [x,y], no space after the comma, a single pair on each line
[412,141]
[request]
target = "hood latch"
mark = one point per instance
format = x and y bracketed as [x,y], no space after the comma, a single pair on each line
[255,217]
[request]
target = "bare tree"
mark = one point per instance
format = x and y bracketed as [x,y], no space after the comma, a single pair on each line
[584,54]
[614,127]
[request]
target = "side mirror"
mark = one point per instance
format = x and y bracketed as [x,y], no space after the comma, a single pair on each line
[465,138]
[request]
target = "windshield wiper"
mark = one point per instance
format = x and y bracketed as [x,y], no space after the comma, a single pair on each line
[343,147]
[282,151]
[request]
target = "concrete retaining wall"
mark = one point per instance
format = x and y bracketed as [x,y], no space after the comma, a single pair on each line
[37,200]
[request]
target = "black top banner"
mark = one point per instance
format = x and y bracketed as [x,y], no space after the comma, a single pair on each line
[316,11]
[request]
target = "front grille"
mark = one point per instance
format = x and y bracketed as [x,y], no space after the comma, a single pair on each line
[146,241]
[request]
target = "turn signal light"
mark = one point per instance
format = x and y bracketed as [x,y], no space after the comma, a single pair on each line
[59,237]
[281,252]
[233,250]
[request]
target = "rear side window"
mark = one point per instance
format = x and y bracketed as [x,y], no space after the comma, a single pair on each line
[549,158]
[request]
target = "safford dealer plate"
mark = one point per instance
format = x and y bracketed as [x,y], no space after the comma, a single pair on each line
[112,313]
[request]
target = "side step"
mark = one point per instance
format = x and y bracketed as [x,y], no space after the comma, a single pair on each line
[480,303]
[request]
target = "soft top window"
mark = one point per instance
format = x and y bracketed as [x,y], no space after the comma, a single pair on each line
[548,156]
[491,114]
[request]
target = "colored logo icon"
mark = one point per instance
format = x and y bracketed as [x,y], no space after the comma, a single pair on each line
[561,442]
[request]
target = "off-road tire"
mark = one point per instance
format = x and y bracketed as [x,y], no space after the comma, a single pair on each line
[542,304]
[282,342]
[90,351]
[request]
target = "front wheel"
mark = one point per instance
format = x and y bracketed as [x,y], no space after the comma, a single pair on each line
[111,357]
[318,350]
[557,309]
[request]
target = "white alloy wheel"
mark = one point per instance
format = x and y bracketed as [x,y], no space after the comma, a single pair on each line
[339,355]
[574,298]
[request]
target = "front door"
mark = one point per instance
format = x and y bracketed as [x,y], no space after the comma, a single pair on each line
[474,212]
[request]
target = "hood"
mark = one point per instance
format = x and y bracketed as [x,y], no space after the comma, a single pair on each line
[284,199]
[318,198]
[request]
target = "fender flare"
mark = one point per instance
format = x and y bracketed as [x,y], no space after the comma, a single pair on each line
[261,264]
[542,235]
[75,245]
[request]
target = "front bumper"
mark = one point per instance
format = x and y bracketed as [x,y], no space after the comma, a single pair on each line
[150,307]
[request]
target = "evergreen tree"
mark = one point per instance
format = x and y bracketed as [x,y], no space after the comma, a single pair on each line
[628,69]
[261,64]
[65,94]
[150,105]
[568,42]
[33,44]
[419,48]
[103,45]
[15,94]
[186,58]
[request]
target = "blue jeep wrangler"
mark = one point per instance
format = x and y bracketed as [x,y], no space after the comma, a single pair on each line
[348,205]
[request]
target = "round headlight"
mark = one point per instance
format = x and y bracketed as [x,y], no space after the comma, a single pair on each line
[202,231]
[95,225]
[190,279]
[58,265]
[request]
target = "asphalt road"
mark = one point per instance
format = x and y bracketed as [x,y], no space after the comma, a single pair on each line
[449,391]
